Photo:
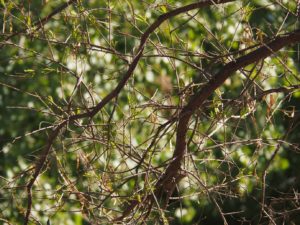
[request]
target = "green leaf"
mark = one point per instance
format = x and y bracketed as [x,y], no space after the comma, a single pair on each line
[163,8]
[78,219]
[29,71]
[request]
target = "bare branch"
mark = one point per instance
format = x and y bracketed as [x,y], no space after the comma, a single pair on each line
[219,78]
[111,95]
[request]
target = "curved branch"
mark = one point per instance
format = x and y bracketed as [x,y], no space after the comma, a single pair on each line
[139,53]
[197,100]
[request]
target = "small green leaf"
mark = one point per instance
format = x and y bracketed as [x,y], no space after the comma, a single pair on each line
[181,83]
[9,7]
[50,99]
[138,197]
[78,219]
[29,71]
[243,112]
[164,8]
[2,3]
[28,21]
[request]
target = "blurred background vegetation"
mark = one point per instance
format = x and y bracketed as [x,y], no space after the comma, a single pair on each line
[243,150]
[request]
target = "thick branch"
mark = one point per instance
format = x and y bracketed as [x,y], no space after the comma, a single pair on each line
[42,160]
[197,100]
[139,52]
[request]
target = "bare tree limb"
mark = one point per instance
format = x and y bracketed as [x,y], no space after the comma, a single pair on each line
[139,52]
[197,100]
[138,55]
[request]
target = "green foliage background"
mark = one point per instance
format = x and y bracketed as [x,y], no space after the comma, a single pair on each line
[94,40]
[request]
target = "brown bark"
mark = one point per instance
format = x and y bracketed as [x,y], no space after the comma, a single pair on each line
[218,79]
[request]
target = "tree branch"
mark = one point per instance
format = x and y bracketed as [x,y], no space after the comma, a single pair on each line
[197,100]
[39,166]
[38,24]
[139,53]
